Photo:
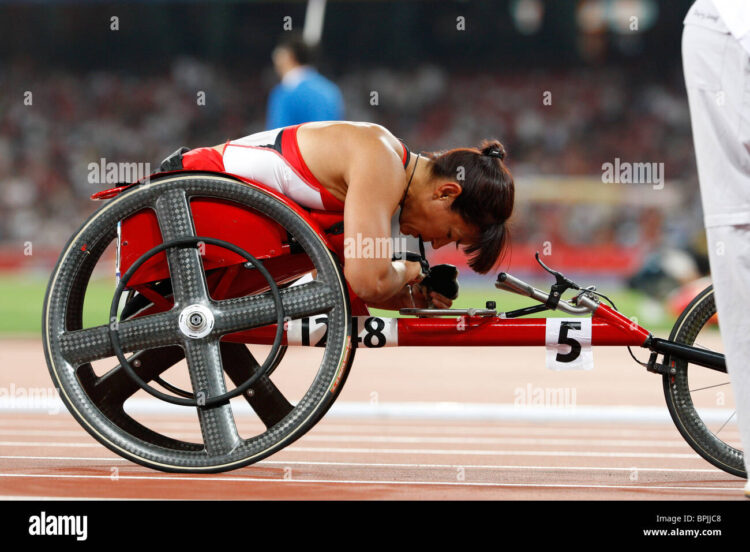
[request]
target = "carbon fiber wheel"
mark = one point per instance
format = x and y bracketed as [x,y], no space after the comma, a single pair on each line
[98,398]
[700,400]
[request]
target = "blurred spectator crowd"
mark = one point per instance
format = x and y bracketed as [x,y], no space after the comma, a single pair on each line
[552,123]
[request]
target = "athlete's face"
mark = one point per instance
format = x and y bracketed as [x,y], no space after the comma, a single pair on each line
[430,216]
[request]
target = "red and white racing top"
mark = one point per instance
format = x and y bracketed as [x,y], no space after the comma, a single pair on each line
[271,157]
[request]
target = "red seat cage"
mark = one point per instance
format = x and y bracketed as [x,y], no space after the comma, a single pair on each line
[239,224]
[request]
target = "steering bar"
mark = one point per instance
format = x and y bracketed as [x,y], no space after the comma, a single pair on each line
[510,283]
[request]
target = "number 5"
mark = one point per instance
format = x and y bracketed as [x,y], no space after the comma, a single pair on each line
[575,346]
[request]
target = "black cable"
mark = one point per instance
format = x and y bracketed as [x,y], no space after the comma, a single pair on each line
[644,364]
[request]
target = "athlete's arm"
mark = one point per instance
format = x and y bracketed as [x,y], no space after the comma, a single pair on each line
[398,301]
[375,179]
[403,299]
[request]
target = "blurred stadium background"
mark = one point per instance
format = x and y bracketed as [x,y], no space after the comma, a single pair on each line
[566,85]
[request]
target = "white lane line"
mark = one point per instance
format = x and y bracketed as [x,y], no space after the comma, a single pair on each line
[45,432]
[47,444]
[459,452]
[493,441]
[736,489]
[66,498]
[482,428]
[391,426]
[393,465]
[416,410]
[56,458]
[465,452]
[321,436]
[34,420]
[494,467]
[492,429]
[174,422]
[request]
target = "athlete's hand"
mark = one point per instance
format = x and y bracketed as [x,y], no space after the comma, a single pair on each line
[421,296]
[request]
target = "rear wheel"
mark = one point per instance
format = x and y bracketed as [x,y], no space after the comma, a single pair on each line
[701,400]
[98,390]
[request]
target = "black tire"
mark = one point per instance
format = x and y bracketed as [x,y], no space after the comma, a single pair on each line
[97,401]
[679,395]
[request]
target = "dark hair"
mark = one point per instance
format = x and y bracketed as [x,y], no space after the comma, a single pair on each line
[302,52]
[486,199]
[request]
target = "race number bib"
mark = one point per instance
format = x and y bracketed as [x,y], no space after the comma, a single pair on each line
[371,332]
[568,343]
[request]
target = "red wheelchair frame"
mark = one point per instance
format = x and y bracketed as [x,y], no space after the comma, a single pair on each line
[231,228]
[264,239]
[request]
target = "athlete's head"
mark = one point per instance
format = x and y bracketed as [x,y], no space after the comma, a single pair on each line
[465,196]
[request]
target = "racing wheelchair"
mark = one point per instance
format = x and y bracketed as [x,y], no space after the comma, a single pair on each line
[208,264]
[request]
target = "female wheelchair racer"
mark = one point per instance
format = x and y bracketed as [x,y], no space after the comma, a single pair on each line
[464,195]
[211,257]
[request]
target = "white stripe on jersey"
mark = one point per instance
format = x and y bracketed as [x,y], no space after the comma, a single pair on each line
[244,157]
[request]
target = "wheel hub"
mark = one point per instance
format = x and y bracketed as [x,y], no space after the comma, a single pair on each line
[196,321]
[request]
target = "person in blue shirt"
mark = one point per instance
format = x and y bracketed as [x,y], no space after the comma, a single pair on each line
[303,94]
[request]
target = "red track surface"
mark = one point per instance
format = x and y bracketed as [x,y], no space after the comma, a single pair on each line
[43,455]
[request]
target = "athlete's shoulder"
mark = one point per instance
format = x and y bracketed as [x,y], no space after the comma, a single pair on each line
[353,139]
[375,140]
[358,131]
[371,131]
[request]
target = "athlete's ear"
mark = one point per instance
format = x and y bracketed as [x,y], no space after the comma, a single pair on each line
[447,189]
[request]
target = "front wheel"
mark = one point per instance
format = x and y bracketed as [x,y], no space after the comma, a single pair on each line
[701,400]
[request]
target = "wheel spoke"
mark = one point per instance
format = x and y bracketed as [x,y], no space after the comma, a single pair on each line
[709,387]
[185,265]
[264,397]
[146,332]
[725,423]
[244,313]
[110,392]
[116,386]
[207,376]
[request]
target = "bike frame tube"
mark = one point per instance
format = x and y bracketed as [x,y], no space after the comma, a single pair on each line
[702,357]
[608,327]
